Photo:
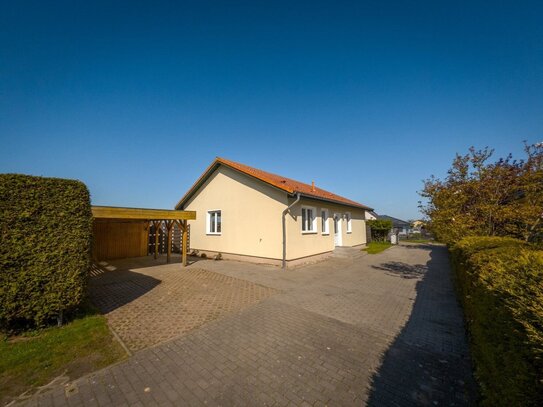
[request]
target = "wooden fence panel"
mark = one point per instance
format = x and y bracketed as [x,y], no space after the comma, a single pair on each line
[117,240]
[177,239]
[162,237]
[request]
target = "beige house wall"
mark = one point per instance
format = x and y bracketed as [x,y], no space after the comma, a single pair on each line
[301,244]
[251,215]
[251,221]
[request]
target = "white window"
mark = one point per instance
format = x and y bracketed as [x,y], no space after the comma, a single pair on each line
[324,222]
[214,222]
[349,222]
[309,221]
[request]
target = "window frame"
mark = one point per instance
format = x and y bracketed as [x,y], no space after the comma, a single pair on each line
[313,229]
[349,219]
[208,222]
[325,223]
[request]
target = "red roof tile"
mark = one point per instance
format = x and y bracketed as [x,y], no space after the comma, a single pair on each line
[286,184]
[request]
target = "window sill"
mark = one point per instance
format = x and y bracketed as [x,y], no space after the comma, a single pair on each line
[348,233]
[309,232]
[213,234]
[326,234]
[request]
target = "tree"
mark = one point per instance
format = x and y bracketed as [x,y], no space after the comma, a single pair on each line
[478,197]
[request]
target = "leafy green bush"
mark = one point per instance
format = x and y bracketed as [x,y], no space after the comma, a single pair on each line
[500,281]
[46,229]
[480,197]
[379,229]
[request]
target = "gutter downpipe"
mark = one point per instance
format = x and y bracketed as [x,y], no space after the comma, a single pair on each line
[285,229]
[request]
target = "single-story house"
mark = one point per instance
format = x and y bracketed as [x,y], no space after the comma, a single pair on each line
[399,227]
[249,214]
[371,215]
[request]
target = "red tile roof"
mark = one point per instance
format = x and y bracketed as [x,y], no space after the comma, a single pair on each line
[286,184]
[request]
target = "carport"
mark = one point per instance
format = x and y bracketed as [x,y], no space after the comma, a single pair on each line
[124,232]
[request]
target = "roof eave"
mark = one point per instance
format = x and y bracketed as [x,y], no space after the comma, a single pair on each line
[279,188]
[203,178]
[218,162]
[317,198]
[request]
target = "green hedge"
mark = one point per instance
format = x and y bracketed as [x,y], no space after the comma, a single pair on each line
[46,227]
[500,281]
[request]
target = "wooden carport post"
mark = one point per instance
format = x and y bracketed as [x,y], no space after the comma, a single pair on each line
[169,225]
[185,246]
[156,223]
[184,236]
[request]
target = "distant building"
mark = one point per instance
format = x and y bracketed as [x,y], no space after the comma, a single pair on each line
[399,227]
[371,215]
[418,226]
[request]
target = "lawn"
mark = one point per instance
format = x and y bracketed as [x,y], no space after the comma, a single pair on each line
[75,349]
[419,241]
[377,247]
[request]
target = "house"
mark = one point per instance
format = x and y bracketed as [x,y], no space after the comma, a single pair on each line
[249,214]
[371,215]
[418,226]
[399,227]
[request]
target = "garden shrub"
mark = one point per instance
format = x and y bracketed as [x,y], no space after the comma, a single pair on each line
[500,281]
[46,229]
[379,229]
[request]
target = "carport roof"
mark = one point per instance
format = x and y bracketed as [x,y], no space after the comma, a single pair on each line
[114,212]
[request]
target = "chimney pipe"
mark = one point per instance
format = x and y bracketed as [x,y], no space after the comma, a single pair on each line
[313,186]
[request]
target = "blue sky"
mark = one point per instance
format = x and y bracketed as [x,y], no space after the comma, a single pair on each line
[366,98]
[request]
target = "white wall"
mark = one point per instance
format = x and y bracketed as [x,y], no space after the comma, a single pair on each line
[306,244]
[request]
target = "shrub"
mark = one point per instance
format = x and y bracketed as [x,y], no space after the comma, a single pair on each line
[481,196]
[46,227]
[379,229]
[500,281]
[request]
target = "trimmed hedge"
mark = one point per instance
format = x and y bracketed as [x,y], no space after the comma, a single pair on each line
[46,227]
[500,281]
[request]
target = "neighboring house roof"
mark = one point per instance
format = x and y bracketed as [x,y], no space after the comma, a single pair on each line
[395,221]
[285,184]
[419,223]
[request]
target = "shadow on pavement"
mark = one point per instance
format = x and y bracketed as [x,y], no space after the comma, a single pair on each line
[135,263]
[428,363]
[403,270]
[109,290]
[421,246]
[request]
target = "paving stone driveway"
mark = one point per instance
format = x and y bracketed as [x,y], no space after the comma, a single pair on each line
[149,305]
[381,330]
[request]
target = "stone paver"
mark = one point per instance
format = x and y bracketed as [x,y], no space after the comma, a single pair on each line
[378,329]
[148,305]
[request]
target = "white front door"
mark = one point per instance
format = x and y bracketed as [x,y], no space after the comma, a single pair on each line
[337,230]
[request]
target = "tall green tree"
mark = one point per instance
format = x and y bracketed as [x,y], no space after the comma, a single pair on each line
[488,198]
